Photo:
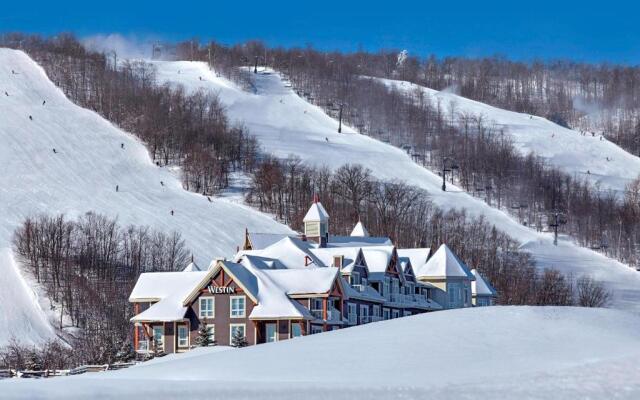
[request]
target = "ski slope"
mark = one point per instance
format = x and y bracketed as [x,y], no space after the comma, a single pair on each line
[490,352]
[80,177]
[285,124]
[597,160]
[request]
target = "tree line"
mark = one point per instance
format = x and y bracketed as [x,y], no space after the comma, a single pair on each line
[479,157]
[88,268]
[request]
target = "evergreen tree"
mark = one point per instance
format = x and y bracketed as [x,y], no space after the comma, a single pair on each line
[238,339]
[126,353]
[34,362]
[204,336]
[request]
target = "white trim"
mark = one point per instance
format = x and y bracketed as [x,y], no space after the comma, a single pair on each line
[231,326]
[244,310]
[213,307]
[266,334]
[178,346]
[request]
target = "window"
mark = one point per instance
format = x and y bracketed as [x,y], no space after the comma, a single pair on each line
[386,313]
[466,296]
[395,313]
[385,287]
[296,330]
[212,332]
[158,337]
[376,311]
[364,314]
[271,330]
[316,329]
[237,306]
[353,314]
[452,289]
[395,288]
[207,307]
[183,336]
[235,329]
[337,261]
[364,282]
[355,278]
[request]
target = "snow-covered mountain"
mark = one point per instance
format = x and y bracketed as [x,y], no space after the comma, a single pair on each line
[491,352]
[81,176]
[581,155]
[286,124]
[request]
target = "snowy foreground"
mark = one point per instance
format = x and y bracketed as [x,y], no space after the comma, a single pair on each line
[286,124]
[80,177]
[493,352]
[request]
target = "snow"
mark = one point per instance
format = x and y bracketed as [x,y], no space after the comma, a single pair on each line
[417,256]
[290,252]
[192,267]
[488,352]
[443,264]
[480,286]
[316,213]
[359,230]
[82,177]
[287,125]
[561,147]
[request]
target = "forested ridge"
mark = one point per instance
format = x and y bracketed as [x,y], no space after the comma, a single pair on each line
[481,157]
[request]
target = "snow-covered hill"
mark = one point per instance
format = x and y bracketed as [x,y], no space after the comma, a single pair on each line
[583,156]
[81,176]
[493,352]
[286,124]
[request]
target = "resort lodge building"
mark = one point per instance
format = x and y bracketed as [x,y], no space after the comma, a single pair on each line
[279,287]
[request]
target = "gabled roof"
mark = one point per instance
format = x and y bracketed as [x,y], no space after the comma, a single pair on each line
[192,267]
[167,289]
[359,230]
[289,251]
[358,241]
[304,281]
[481,287]
[418,256]
[260,241]
[316,213]
[155,286]
[444,264]
[350,256]
[270,299]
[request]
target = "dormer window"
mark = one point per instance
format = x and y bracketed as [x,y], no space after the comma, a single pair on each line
[337,261]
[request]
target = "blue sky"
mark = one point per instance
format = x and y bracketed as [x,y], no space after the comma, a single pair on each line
[584,31]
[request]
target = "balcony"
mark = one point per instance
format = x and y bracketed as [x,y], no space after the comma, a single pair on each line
[332,314]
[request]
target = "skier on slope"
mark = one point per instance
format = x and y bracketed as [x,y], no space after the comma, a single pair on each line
[55,151]
[171,212]
[209,198]
[6,94]
[122,145]
[44,102]
[161,183]
[30,117]
[117,188]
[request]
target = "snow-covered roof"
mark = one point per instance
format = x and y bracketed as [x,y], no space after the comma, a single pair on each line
[358,241]
[377,258]
[154,286]
[316,213]
[192,267]
[368,294]
[359,230]
[260,241]
[443,264]
[291,252]
[349,256]
[481,287]
[418,256]
[168,289]
[301,281]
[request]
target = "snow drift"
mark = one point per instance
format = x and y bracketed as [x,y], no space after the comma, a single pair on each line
[503,352]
